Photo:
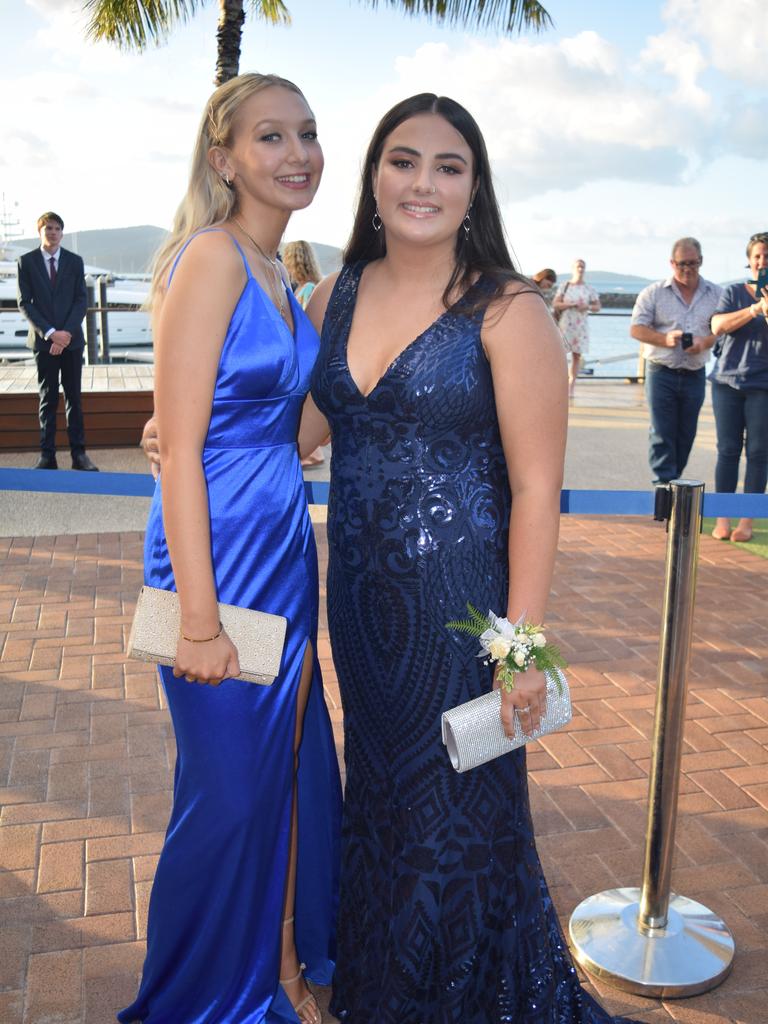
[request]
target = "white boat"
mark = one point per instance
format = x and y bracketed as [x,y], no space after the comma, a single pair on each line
[128,329]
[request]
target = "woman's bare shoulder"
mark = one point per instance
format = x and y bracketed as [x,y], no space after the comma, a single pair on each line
[319,299]
[208,275]
[520,315]
[518,300]
[215,242]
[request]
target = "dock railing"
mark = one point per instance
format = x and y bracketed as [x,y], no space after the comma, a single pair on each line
[101,347]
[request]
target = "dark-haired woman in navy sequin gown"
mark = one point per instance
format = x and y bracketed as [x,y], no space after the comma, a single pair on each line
[443,380]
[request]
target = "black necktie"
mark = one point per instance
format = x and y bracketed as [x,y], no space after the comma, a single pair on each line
[53,270]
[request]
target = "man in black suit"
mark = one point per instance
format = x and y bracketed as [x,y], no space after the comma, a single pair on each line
[52,296]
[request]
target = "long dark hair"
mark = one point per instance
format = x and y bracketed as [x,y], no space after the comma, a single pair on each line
[484,251]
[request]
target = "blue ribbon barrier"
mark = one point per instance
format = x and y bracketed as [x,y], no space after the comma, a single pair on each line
[70,481]
[572,502]
[317,491]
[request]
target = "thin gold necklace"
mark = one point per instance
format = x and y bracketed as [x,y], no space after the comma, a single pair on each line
[278,293]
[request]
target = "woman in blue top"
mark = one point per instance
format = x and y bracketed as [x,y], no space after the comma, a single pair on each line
[740,387]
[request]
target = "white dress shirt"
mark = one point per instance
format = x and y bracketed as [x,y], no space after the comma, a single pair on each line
[47,257]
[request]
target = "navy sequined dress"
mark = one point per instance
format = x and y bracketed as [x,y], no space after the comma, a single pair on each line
[445,916]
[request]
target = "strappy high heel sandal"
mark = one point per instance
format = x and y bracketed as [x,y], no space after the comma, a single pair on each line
[307,1010]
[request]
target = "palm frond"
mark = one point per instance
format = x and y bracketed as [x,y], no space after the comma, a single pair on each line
[133,24]
[489,15]
[272,11]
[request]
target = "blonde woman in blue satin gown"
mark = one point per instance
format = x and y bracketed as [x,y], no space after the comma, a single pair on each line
[245,884]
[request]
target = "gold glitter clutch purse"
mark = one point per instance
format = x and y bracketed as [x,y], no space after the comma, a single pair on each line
[258,636]
[473,733]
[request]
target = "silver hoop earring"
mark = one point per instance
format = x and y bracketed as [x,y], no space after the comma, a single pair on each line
[466,224]
[226,180]
[376,220]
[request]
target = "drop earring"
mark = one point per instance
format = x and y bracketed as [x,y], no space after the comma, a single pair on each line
[376,220]
[467,224]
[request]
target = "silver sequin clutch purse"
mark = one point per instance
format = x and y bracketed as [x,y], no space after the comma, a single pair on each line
[258,636]
[473,733]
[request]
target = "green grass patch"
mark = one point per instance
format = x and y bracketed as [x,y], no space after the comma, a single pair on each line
[759,543]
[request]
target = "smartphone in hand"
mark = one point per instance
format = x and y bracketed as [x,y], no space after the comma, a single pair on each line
[686,340]
[762,281]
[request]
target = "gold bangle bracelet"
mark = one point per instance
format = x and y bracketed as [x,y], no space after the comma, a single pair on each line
[207,639]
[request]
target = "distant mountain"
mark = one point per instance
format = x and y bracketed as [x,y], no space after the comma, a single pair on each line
[328,256]
[130,250]
[608,277]
[122,250]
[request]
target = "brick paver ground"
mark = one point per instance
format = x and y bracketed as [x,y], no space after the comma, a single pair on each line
[86,753]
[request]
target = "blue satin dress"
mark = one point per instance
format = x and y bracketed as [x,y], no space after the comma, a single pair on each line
[445,916]
[215,915]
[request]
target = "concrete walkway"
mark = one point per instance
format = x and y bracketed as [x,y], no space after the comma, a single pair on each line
[607,450]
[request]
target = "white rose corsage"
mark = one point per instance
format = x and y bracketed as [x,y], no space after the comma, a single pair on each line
[515,645]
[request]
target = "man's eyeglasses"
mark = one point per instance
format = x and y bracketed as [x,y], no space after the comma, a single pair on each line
[686,264]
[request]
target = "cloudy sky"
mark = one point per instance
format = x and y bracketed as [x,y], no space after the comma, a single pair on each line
[623,127]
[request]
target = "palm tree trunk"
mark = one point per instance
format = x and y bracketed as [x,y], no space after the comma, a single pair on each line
[228,36]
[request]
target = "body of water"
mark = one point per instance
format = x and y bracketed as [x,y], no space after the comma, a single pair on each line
[611,283]
[608,339]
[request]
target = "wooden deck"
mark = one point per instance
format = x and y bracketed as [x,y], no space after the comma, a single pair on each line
[117,400]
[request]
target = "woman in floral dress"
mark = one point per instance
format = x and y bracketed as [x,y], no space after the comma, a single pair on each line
[574,301]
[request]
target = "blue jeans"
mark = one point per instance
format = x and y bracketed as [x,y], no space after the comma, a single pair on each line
[740,415]
[674,399]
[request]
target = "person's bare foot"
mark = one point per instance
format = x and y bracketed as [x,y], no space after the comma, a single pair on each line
[722,530]
[743,532]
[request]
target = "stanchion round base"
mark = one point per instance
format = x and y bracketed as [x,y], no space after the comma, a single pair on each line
[691,954]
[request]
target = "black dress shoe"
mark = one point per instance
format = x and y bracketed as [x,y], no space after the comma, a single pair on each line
[46,462]
[82,461]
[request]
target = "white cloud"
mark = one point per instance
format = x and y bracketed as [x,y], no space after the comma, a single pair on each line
[735,34]
[23,148]
[640,228]
[157,156]
[589,51]
[562,114]
[155,103]
[50,87]
[746,130]
[681,59]
[556,116]
[610,147]
[64,40]
[51,8]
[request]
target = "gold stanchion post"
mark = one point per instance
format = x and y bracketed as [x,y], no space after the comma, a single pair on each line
[651,941]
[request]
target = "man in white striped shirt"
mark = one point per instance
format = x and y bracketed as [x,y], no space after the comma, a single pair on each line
[672,320]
